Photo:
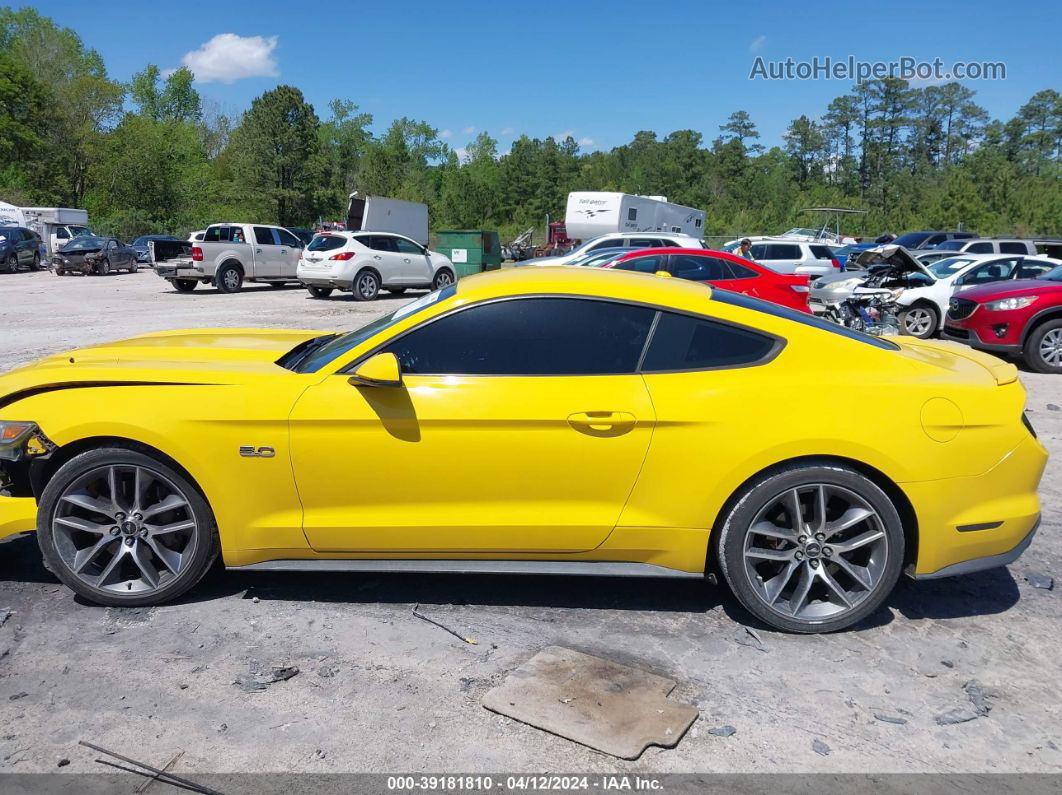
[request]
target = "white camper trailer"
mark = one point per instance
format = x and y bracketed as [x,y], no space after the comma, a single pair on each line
[593,213]
[10,215]
[379,214]
[57,226]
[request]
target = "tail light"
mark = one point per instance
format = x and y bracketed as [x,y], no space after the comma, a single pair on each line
[800,288]
[197,254]
[342,255]
[836,263]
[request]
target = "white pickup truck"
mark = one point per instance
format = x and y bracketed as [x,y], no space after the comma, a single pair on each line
[231,254]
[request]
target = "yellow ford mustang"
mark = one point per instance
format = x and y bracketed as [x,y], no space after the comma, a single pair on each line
[558,420]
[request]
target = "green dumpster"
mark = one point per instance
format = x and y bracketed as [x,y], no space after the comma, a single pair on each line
[470,250]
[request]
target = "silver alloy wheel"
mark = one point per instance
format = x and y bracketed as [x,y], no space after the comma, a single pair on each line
[231,279]
[367,286]
[815,552]
[124,529]
[918,321]
[1051,347]
[443,279]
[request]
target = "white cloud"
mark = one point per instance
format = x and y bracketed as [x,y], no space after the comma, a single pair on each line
[559,137]
[227,58]
[923,82]
[462,154]
[508,131]
[468,130]
[757,43]
[446,133]
[584,141]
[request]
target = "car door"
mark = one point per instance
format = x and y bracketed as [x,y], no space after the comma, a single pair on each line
[288,254]
[520,427]
[1033,269]
[694,268]
[415,264]
[386,259]
[781,257]
[17,240]
[992,271]
[268,261]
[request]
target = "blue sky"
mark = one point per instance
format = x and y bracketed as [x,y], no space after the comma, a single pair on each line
[599,71]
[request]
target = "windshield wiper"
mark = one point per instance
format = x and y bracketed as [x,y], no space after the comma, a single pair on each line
[294,358]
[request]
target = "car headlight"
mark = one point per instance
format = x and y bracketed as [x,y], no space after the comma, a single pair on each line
[1003,304]
[844,284]
[22,439]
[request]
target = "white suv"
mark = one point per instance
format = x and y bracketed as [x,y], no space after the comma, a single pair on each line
[795,256]
[363,262]
[621,240]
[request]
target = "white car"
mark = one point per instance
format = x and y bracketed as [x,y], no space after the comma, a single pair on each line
[989,245]
[362,263]
[795,256]
[621,240]
[923,308]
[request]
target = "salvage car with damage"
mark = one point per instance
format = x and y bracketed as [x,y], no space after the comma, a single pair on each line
[606,423]
[94,255]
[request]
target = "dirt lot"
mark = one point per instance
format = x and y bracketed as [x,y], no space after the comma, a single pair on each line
[380,690]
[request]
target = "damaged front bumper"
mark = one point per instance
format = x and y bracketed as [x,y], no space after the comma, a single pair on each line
[17,515]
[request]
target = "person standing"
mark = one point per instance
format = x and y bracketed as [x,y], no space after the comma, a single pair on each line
[745,249]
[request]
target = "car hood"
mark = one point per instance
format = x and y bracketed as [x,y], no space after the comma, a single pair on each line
[896,257]
[200,356]
[1005,289]
[79,252]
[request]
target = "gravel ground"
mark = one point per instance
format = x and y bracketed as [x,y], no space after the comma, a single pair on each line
[380,690]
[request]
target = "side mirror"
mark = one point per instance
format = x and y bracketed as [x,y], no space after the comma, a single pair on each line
[379,370]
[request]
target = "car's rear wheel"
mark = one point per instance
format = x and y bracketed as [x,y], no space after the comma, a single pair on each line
[184,285]
[121,528]
[919,321]
[229,279]
[11,263]
[319,292]
[366,286]
[1043,349]
[134,266]
[104,267]
[812,548]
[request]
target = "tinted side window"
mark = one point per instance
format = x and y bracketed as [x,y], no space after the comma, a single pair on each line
[382,243]
[218,234]
[697,269]
[990,272]
[821,252]
[688,343]
[645,242]
[932,240]
[529,336]
[1013,248]
[263,235]
[758,251]
[783,251]
[611,243]
[979,248]
[407,246]
[1033,269]
[13,235]
[739,271]
[62,234]
[288,239]
[641,264]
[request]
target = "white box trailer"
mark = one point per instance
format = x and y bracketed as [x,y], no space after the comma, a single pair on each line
[593,213]
[10,215]
[380,214]
[57,225]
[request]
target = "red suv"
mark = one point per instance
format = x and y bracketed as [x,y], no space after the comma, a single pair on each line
[1021,317]
[720,269]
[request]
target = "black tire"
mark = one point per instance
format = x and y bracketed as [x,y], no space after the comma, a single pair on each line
[396,290]
[11,263]
[36,264]
[817,567]
[920,320]
[203,540]
[277,285]
[184,285]
[134,266]
[444,278]
[366,285]
[319,292]
[104,267]
[229,278]
[1042,349]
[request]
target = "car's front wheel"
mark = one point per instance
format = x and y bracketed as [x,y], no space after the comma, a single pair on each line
[121,528]
[919,321]
[442,279]
[1043,349]
[811,547]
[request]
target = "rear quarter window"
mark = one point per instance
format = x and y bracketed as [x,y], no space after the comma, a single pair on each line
[681,342]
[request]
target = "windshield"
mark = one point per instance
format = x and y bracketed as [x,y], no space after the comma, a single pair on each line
[84,244]
[944,268]
[344,343]
[78,231]
[911,239]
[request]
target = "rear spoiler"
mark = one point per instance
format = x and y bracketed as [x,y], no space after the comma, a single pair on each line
[1003,372]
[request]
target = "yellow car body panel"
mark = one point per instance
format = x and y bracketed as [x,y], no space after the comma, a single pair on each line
[515,467]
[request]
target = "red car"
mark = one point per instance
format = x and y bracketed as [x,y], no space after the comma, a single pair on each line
[720,269]
[1021,317]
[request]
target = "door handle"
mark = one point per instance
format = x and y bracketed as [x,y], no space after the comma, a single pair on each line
[283,251]
[376,256]
[258,251]
[602,423]
[405,259]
